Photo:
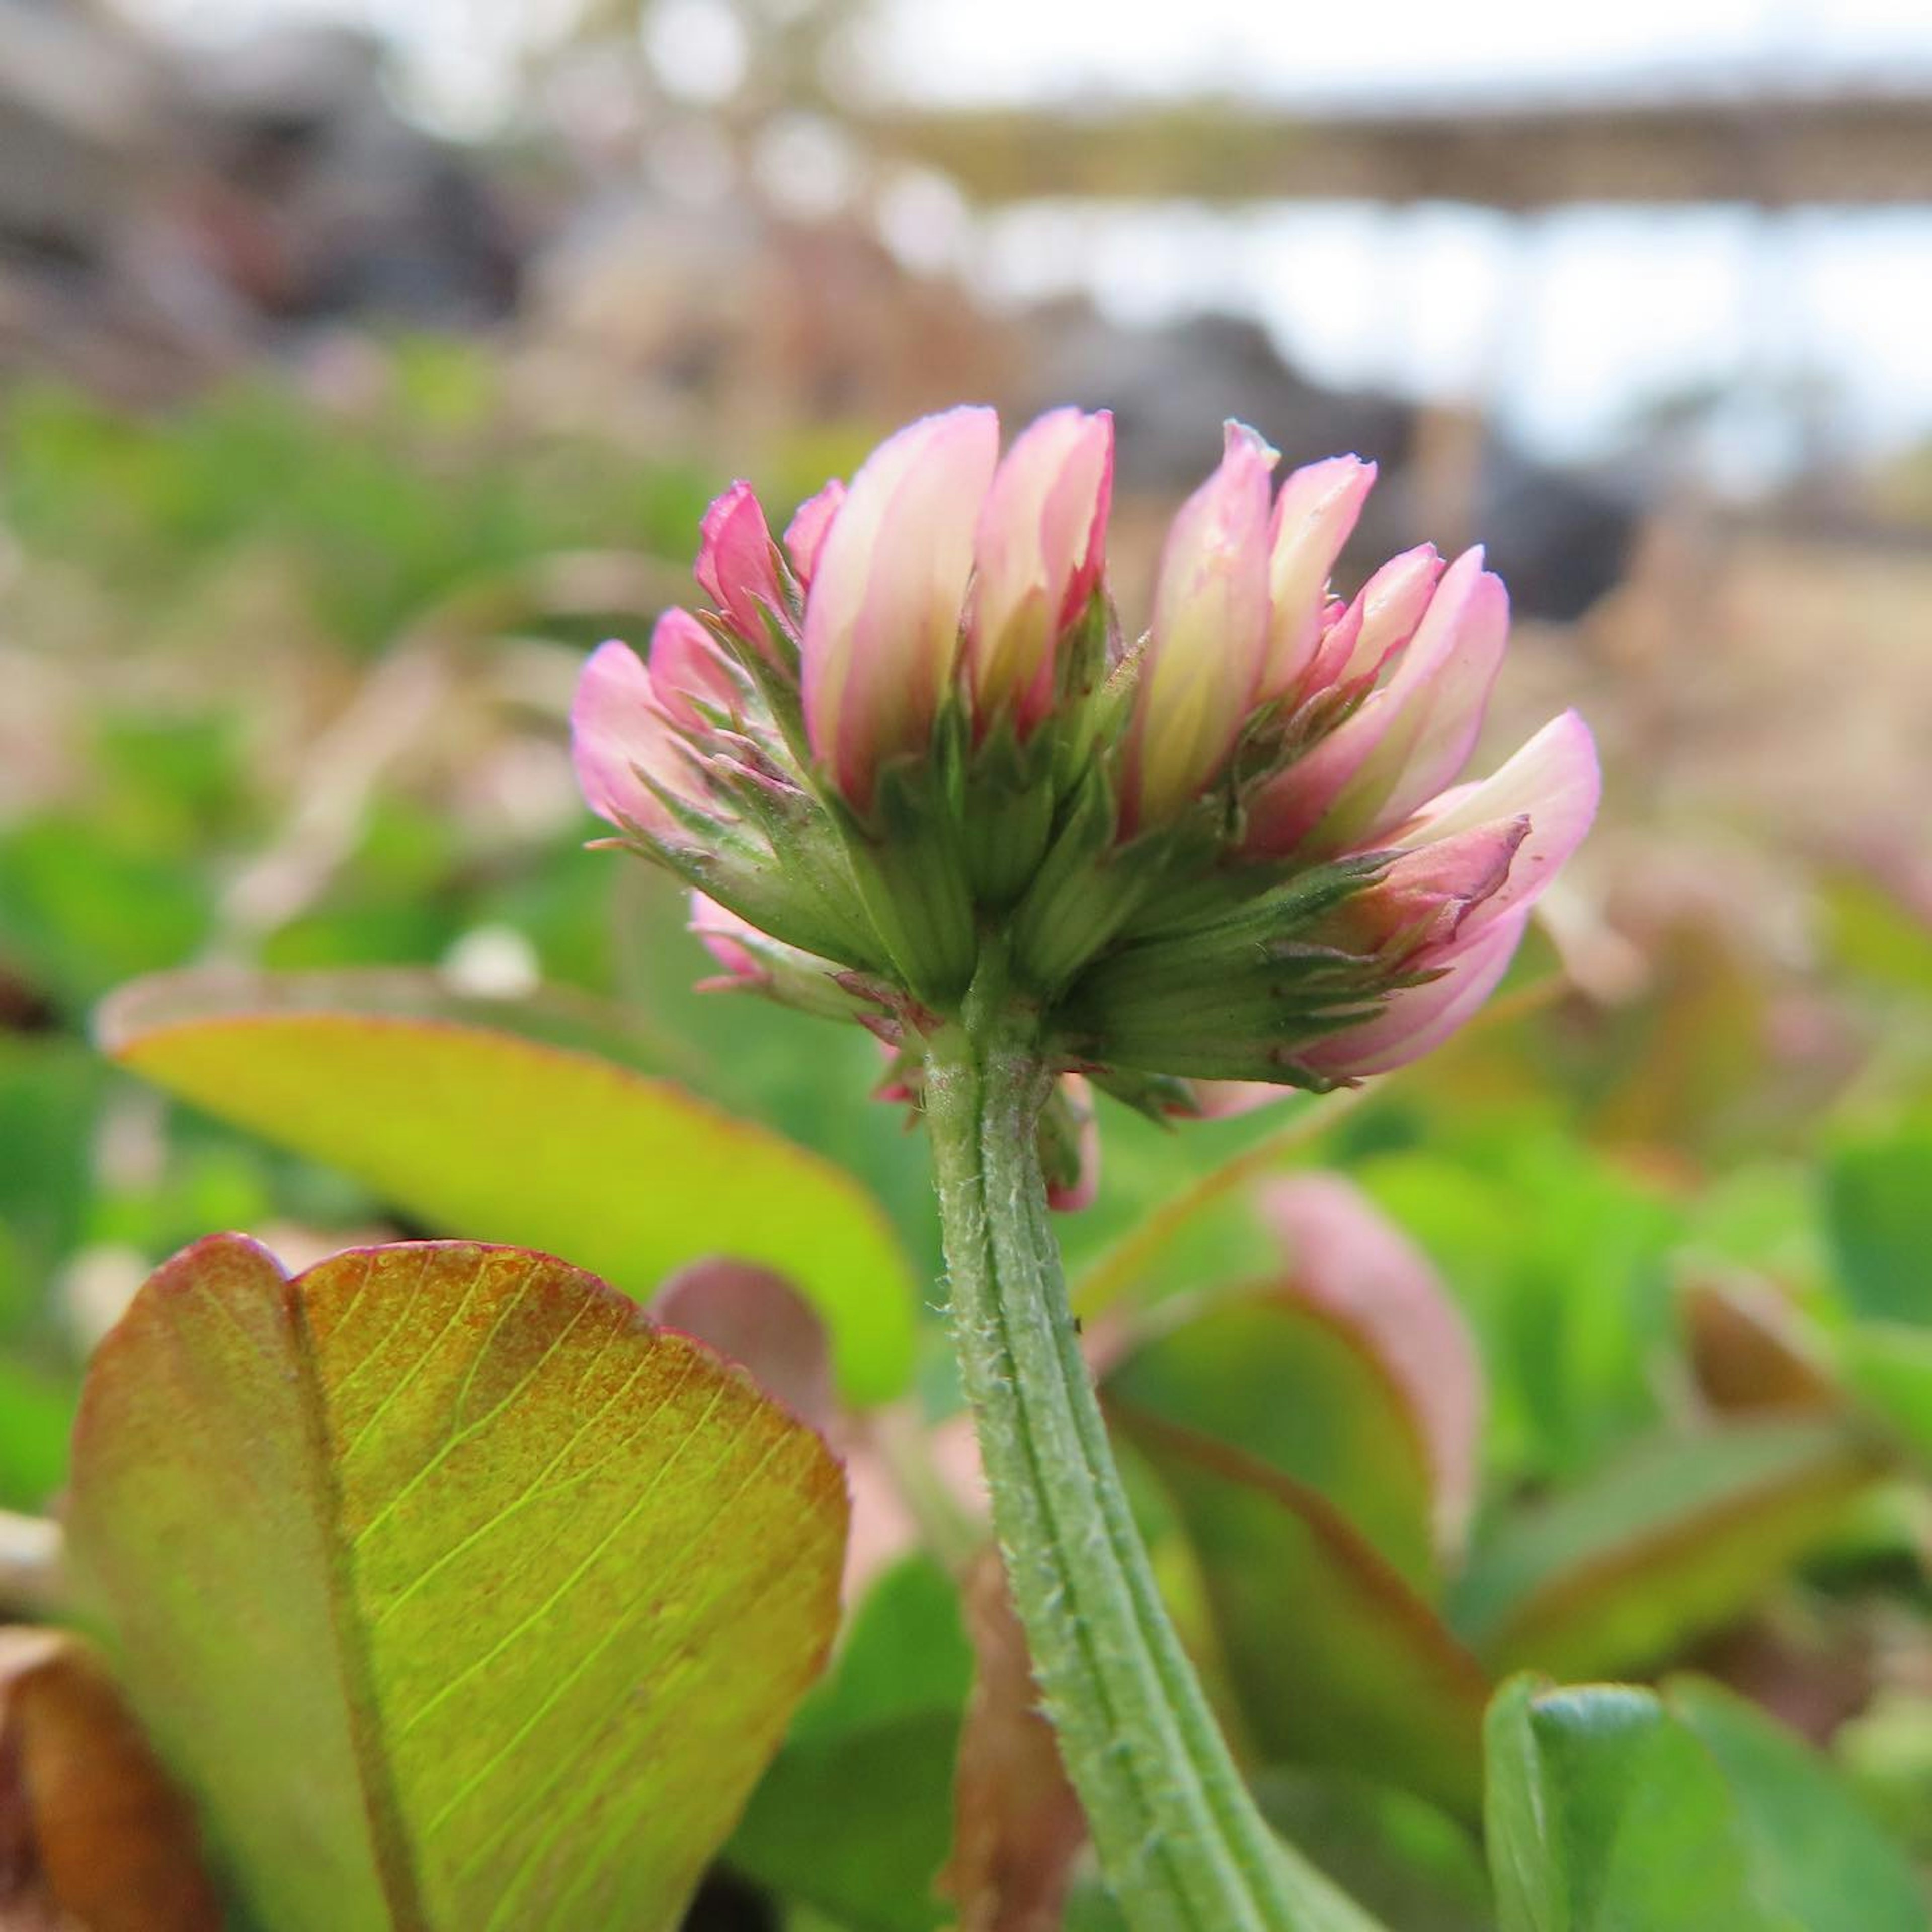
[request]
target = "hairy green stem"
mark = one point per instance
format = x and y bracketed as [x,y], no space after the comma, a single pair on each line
[1179,1838]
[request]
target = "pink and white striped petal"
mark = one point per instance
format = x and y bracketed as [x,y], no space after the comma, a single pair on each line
[1037,555]
[810,525]
[1409,739]
[1380,621]
[1418,1018]
[1554,782]
[888,586]
[1209,640]
[1314,516]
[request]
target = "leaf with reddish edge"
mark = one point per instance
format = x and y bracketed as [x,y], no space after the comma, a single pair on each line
[94,1837]
[1750,1353]
[461,1596]
[1678,1538]
[1334,1659]
[1298,1390]
[1352,1372]
[470,1128]
[1350,1261]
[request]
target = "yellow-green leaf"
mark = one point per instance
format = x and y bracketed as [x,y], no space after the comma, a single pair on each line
[485,1133]
[464,1599]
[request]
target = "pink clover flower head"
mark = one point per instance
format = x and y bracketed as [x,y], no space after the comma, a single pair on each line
[913,751]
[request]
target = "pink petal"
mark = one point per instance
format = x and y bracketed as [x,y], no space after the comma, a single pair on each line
[805,534]
[616,727]
[686,665]
[735,565]
[1210,636]
[1417,1019]
[720,930]
[1554,781]
[1037,555]
[1227,1099]
[1428,898]
[882,621]
[1381,620]
[1409,739]
[1313,517]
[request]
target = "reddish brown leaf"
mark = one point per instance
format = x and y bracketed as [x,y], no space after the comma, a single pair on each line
[93,1837]
[1018,1826]
[1750,1354]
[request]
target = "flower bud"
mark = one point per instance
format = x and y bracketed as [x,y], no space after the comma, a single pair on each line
[753,961]
[1380,621]
[1410,737]
[1419,905]
[810,525]
[1552,785]
[1036,555]
[620,736]
[688,672]
[888,583]
[1313,517]
[735,565]
[1414,1019]
[1209,639]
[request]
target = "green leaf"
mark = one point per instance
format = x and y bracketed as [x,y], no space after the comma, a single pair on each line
[472,1129]
[1304,1391]
[855,1817]
[36,1414]
[1878,1200]
[1889,1363]
[1333,1660]
[1612,1810]
[462,1596]
[1677,1538]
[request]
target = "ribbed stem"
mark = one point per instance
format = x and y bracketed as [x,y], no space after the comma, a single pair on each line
[1180,1839]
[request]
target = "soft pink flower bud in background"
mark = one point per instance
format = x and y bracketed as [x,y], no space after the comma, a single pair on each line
[805,534]
[1037,554]
[618,728]
[1209,639]
[888,585]
[1314,516]
[735,565]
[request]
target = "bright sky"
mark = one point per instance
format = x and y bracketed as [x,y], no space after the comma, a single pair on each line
[1566,323]
[956,49]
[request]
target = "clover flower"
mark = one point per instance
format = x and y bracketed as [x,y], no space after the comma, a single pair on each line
[1233,850]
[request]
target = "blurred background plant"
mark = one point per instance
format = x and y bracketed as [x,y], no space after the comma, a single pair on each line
[361,366]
